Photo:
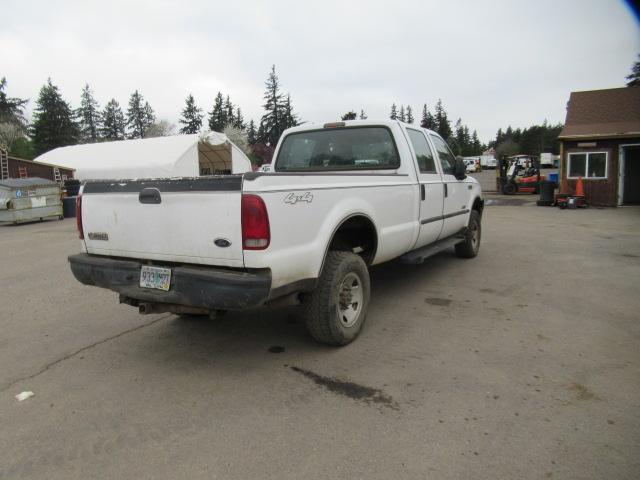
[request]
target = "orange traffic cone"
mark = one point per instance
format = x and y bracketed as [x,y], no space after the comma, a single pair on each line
[579,188]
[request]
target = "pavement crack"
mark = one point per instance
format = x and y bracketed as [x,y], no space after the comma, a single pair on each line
[52,364]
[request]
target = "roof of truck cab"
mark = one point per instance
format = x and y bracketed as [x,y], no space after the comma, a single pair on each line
[385,122]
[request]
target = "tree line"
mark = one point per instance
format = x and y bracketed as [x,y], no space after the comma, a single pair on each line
[532,140]
[56,123]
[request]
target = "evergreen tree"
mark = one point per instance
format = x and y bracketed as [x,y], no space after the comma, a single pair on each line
[362,115]
[191,117]
[140,116]
[476,145]
[53,123]
[273,122]
[290,118]
[238,120]
[427,120]
[401,117]
[251,133]
[217,117]
[634,76]
[11,108]
[409,114]
[88,115]
[442,125]
[229,117]
[394,112]
[350,115]
[113,122]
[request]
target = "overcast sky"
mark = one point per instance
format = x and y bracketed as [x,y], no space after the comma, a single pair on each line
[493,63]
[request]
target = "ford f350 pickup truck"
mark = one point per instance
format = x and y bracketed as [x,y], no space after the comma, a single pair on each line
[340,198]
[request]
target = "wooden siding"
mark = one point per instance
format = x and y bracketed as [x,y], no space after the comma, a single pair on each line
[602,192]
[35,169]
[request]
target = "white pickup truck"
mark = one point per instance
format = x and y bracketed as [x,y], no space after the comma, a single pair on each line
[341,197]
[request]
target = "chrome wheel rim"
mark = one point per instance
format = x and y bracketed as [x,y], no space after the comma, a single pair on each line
[350,299]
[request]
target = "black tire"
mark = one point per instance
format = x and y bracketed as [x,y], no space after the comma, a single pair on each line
[471,245]
[329,316]
[509,188]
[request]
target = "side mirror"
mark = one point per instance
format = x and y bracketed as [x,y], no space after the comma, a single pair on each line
[460,169]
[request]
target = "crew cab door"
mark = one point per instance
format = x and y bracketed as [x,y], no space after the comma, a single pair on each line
[456,192]
[431,193]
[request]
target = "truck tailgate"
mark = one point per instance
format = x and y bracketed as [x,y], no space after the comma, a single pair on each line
[185,220]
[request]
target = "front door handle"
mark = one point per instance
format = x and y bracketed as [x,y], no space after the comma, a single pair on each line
[423,193]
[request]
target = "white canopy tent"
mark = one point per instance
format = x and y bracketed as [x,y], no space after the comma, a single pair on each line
[211,153]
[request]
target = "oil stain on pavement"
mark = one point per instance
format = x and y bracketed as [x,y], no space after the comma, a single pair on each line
[350,389]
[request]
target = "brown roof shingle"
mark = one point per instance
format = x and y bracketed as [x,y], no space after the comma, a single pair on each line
[603,113]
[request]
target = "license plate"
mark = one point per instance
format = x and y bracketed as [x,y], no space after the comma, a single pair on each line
[155,277]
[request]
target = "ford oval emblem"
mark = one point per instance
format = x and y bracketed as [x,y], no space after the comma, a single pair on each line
[222,242]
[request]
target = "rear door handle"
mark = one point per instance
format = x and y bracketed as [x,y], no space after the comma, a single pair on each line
[423,193]
[150,195]
[446,190]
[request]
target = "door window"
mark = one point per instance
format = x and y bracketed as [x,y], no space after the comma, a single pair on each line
[424,155]
[447,159]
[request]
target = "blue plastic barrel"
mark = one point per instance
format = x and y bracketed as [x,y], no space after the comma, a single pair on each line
[553,177]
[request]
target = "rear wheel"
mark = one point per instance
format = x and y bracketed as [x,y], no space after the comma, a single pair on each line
[471,245]
[335,312]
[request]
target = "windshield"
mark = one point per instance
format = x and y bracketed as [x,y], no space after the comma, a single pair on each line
[355,148]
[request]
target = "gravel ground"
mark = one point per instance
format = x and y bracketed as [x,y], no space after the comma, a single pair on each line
[522,363]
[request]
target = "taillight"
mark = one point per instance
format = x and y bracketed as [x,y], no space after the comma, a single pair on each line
[255,223]
[79,217]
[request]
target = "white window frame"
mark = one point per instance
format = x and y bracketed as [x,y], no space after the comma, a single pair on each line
[585,177]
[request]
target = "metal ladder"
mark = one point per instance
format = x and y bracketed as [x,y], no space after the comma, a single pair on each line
[56,175]
[4,164]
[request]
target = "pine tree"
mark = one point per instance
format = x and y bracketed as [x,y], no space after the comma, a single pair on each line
[53,123]
[362,115]
[229,117]
[427,120]
[11,108]
[409,114]
[394,112]
[290,118]
[238,120]
[443,127]
[251,133]
[191,117]
[88,115]
[350,115]
[634,76]
[113,122]
[140,116]
[476,144]
[217,115]
[402,117]
[272,123]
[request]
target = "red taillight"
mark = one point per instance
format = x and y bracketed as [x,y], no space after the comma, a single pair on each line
[255,223]
[79,217]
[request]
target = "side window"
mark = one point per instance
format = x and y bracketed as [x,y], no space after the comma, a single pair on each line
[423,151]
[447,160]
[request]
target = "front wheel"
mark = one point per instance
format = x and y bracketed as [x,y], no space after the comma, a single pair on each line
[471,245]
[335,311]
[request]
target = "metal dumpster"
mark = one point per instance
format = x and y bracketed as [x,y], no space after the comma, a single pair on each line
[28,199]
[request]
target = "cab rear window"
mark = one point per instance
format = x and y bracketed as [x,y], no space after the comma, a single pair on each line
[330,149]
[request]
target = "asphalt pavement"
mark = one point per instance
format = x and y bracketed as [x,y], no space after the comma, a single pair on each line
[521,363]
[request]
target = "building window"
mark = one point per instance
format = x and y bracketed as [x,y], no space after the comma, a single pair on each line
[587,165]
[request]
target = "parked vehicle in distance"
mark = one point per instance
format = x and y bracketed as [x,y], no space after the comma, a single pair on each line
[342,197]
[549,160]
[473,164]
[488,161]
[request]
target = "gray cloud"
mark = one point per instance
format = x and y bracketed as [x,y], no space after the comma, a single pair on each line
[493,63]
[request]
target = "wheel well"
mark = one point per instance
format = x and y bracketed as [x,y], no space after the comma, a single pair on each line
[478,205]
[357,234]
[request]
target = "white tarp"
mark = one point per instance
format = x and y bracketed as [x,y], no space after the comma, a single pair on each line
[172,156]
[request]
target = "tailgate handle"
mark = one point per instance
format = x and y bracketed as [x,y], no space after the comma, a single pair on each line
[150,195]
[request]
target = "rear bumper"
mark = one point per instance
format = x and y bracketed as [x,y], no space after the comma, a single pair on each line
[201,287]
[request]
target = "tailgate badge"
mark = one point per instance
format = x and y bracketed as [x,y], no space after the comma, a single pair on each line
[99,236]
